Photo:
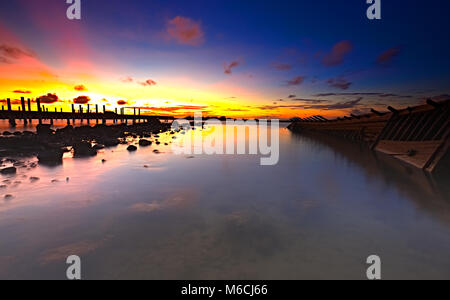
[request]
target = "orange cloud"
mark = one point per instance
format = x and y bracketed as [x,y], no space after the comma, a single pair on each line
[49,98]
[337,54]
[229,67]
[387,56]
[81,100]
[185,31]
[148,82]
[80,88]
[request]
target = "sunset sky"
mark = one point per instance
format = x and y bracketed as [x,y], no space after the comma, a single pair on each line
[235,58]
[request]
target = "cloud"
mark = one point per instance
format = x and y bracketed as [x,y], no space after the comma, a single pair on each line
[49,98]
[228,68]
[122,102]
[296,80]
[21,92]
[337,54]
[282,67]
[185,31]
[331,106]
[127,79]
[148,82]
[382,95]
[81,100]
[291,96]
[9,53]
[339,83]
[387,56]
[314,101]
[171,109]
[80,88]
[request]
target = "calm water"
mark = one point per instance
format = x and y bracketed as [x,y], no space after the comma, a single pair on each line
[318,214]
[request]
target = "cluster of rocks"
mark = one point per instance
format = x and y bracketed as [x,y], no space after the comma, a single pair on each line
[50,145]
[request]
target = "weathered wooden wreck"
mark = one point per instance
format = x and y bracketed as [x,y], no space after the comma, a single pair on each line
[416,135]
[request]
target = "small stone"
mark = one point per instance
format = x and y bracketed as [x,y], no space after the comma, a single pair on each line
[8,171]
[8,197]
[132,148]
[34,179]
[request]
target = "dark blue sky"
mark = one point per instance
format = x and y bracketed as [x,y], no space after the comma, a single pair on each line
[272,49]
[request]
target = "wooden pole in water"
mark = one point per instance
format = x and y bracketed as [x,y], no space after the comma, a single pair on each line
[22,102]
[9,104]
[38,103]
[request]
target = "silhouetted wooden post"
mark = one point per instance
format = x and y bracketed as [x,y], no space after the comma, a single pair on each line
[96,113]
[9,104]
[134,115]
[73,114]
[22,102]
[29,110]
[115,117]
[38,103]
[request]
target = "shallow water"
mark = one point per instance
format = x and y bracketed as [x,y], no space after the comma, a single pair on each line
[317,214]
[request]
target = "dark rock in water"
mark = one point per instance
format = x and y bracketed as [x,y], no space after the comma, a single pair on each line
[156,151]
[8,171]
[3,186]
[7,133]
[17,133]
[33,179]
[28,133]
[103,160]
[83,149]
[144,143]
[158,142]
[50,156]
[132,148]
[8,197]
[110,142]
[44,129]
[98,146]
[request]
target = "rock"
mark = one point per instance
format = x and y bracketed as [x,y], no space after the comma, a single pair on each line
[17,133]
[44,129]
[34,179]
[7,133]
[103,160]
[156,151]
[144,143]
[8,171]
[50,156]
[132,148]
[55,181]
[98,146]
[110,142]
[83,149]
[3,186]
[8,197]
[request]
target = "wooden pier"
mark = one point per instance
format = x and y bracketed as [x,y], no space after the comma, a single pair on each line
[26,114]
[416,135]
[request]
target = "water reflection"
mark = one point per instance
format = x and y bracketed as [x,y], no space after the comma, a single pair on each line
[319,214]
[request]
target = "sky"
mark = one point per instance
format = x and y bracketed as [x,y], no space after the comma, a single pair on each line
[242,59]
